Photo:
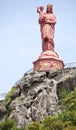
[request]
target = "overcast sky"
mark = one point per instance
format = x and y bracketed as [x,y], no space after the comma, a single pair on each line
[20,38]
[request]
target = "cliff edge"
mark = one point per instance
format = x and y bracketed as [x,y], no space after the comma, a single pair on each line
[37,95]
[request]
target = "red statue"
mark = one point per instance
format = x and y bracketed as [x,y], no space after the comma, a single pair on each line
[48,59]
[47,23]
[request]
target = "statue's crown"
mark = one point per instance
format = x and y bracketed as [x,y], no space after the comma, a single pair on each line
[49,5]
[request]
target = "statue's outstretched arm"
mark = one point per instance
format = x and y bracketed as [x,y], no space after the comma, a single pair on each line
[38,10]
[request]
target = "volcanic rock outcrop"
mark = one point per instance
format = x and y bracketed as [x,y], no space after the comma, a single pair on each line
[37,95]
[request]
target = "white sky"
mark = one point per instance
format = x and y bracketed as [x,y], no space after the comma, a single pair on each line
[20,38]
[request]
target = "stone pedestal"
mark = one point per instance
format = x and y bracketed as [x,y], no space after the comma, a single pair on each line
[48,60]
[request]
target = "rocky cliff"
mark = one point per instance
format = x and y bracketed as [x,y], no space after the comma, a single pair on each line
[37,95]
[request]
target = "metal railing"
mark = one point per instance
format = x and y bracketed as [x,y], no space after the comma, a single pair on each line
[70,65]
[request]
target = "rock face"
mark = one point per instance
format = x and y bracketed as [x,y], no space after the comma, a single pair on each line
[3,111]
[37,95]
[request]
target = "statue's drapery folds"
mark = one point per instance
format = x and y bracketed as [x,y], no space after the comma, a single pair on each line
[47,23]
[49,59]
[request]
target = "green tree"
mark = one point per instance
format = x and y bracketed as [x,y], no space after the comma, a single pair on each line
[33,126]
[9,125]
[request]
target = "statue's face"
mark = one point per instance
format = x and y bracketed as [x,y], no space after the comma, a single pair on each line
[49,9]
[41,8]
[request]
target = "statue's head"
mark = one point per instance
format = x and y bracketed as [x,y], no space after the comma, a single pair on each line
[41,8]
[49,8]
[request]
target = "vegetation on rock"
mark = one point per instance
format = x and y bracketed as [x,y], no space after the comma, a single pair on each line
[66,120]
[9,125]
[9,94]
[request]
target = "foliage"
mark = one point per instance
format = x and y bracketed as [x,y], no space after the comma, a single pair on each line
[66,120]
[52,123]
[6,125]
[9,110]
[33,126]
[70,101]
[9,125]
[70,128]
[63,94]
[9,94]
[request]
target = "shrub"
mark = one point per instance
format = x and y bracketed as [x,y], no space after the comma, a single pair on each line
[52,123]
[63,94]
[66,120]
[9,125]
[33,126]
[9,94]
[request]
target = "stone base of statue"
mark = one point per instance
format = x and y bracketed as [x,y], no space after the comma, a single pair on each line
[48,60]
